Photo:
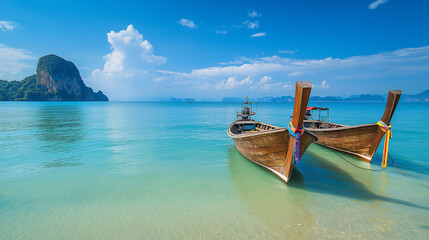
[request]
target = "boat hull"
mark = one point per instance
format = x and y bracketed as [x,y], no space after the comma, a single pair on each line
[361,140]
[357,140]
[269,149]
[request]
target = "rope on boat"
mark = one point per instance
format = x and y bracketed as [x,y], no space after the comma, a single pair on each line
[395,165]
[296,133]
[388,135]
[368,169]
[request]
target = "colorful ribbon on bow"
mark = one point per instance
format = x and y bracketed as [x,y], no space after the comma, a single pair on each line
[296,133]
[388,135]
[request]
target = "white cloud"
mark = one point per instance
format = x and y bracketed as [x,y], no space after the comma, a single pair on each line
[264,79]
[251,24]
[221,31]
[187,23]
[261,34]
[13,61]
[129,69]
[276,74]
[233,83]
[130,55]
[325,85]
[253,13]
[266,84]
[300,67]
[376,3]
[7,25]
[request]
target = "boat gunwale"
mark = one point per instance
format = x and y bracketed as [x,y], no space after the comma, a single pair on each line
[363,157]
[345,127]
[258,133]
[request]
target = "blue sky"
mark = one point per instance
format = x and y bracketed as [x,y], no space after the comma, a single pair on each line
[134,50]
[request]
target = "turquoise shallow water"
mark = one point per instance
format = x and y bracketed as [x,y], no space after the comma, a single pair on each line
[133,170]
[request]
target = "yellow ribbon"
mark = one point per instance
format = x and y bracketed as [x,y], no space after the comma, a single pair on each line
[388,135]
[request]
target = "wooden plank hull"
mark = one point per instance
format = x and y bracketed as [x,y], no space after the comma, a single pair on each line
[356,140]
[361,140]
[269,148]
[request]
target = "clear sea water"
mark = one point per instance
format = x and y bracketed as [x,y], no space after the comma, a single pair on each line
[139,170]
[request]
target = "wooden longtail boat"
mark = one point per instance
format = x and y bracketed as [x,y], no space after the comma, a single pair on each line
[270,146]
[360,140]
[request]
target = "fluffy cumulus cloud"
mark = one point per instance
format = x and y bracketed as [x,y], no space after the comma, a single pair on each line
[130,55]
[131,71]
[377,3]
[7,25]
[13,61]
[129,66]
[187,23]
[265,76]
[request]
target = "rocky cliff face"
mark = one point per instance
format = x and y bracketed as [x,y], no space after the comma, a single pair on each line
[61,78]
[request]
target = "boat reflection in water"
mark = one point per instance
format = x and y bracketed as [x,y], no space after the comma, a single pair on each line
[281,211]
[332,199]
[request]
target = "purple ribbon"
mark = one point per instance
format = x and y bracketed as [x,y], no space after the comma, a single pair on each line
[297,146]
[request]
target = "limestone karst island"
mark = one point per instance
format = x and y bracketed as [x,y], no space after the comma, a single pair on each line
[56,79]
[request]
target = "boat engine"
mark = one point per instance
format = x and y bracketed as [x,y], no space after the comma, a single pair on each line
[246,110]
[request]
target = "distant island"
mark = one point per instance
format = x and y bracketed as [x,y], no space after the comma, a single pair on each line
[55,80]
[185,100]
[421,97]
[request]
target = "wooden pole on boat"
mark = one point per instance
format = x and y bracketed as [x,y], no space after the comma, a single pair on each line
[392,102]
[302,95]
